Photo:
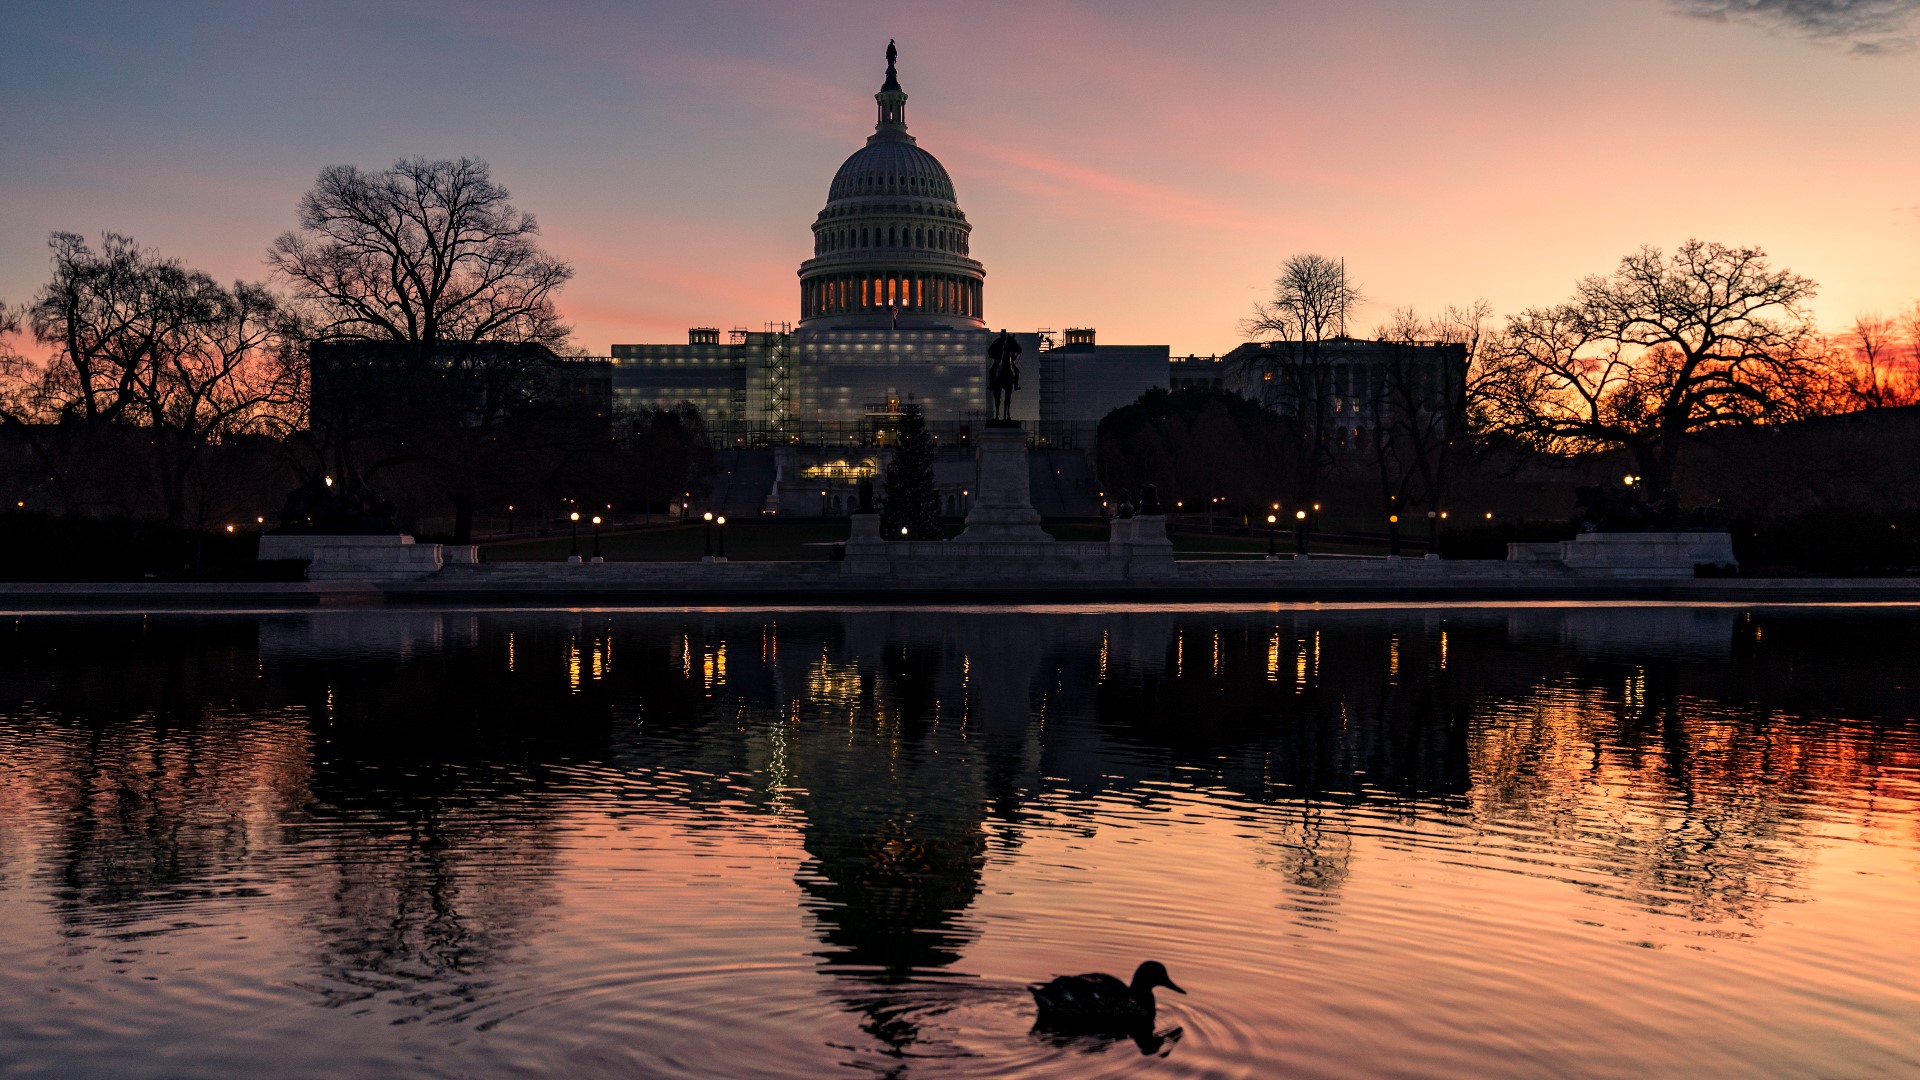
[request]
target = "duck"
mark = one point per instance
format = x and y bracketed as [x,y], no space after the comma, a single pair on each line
[1100,999]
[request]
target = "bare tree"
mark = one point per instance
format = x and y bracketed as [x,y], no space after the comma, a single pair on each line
[147,358]
[1420,399]
[433,270]
[234,373]
[1879,365]
[110,317]
[1662,348]
[1303,328]
[428,253]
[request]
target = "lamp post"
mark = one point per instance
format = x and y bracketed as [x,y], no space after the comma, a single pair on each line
[708,518]
[722,522]
[1299,534]
[573,527]
[596,538]
[509,517]
[964,494]
[1272,519]
[1393,536]
[1315,522]
[823,502]
[1433,534]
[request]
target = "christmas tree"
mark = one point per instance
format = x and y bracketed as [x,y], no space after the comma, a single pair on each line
[911,501]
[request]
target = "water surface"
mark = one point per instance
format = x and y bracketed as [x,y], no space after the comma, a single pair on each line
[1419,842]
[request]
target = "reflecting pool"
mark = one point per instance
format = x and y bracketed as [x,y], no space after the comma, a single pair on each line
[1413,842]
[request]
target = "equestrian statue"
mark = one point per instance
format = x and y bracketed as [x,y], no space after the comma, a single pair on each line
[1003,374]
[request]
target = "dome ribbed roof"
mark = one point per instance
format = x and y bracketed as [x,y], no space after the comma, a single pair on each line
[889,167]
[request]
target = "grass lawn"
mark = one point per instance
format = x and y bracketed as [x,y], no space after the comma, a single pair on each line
[808,540]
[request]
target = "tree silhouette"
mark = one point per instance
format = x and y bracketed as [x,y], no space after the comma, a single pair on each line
[440,281]
[1657,351]
[910,500]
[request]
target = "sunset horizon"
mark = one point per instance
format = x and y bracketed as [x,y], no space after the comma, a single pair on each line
[1141,175]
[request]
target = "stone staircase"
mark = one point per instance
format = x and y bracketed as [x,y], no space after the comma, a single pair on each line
[742,481]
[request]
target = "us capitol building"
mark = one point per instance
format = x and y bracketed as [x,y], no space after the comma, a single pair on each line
[892,310]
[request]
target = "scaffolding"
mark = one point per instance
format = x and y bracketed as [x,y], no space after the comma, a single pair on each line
[779,377]
[1052,383]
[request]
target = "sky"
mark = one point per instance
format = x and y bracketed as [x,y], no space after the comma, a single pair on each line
[1142,168]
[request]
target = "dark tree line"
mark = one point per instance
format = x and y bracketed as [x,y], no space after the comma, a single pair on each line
[1197,446]
[150,371]
[1641,362]
[407,342]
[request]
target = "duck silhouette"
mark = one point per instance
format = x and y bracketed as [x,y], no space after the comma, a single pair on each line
[1100,1001]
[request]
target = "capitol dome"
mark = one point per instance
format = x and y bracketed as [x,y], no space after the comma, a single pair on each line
[891,246]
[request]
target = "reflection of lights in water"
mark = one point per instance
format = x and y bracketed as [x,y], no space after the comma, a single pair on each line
[1316,655]
[966,671]
[1179,653]
[833,684]
[1273,657]
[686,657]
[509,650]
[1635,693]
[713,666]
[1103,655]
[573,666]
[1393,655]
[598,662]
[1443,650]
[1216,652]
[1300,664]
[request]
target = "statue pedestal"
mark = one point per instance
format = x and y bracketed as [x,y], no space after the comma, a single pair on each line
[1002,496]
[866,552]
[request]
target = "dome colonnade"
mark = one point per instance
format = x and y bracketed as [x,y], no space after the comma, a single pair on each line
[891,245]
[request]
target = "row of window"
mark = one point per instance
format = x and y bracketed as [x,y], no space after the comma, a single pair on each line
[941,294]
[849,238]
[914,185]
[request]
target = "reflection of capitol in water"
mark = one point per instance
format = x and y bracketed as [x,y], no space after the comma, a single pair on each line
[412,796]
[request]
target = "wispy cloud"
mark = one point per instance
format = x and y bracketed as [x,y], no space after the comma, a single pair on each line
[1863,27]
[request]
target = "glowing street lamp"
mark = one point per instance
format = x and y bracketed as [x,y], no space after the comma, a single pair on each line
[722,522]
[1300,533]
[1272,520]
[596,537]
[573,526]
[1393,535]
[708,518]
